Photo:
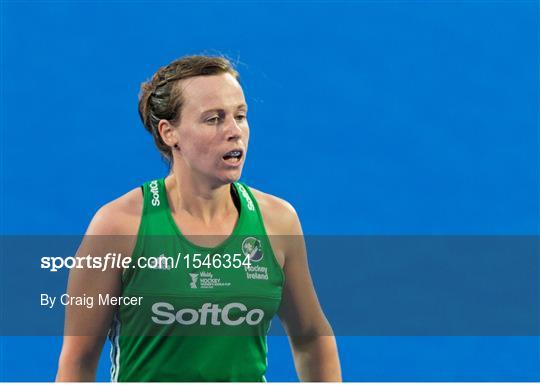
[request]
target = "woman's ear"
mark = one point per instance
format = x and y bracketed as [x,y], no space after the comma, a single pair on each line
[168,133]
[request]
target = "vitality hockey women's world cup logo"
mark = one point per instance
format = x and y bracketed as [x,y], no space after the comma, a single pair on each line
[194,277]
[252,248]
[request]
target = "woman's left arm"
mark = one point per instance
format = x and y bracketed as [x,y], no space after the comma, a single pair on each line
[310,335]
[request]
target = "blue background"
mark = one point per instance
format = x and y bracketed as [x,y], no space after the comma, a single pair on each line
[369,117]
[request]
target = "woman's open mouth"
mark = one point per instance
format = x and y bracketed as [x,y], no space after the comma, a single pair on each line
[233,158]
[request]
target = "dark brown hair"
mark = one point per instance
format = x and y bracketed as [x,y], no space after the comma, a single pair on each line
[160,99]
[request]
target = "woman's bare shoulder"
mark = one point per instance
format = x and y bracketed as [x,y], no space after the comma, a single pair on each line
[121,216]
[280,217]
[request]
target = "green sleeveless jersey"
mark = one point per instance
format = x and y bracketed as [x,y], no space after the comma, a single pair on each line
[202,314]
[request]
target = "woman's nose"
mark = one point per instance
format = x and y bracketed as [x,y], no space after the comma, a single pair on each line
[233,129]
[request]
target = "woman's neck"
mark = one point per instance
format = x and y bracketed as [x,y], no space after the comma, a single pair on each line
[197,197]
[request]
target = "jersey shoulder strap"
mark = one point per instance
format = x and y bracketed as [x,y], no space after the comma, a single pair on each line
[155,216]
[252,221]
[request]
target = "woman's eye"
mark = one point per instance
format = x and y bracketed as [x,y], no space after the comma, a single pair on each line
[241,117]
[214,120]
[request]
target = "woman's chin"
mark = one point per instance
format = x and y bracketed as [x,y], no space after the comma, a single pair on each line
[230,176]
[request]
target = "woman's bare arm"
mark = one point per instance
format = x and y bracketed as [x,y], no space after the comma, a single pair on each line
[310,335]
[112,230]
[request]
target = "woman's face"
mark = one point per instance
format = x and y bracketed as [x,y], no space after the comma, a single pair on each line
[213,131]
